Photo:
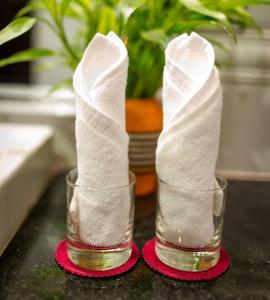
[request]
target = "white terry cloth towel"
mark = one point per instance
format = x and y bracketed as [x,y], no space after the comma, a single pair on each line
[188,145]
[99,81]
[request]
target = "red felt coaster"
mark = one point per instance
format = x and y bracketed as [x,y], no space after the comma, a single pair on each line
[153,261]
[64,262]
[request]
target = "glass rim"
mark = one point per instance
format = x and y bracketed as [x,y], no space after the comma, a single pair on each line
[218,176]
[69,182]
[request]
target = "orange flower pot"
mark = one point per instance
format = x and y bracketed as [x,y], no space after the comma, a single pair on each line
[143,120]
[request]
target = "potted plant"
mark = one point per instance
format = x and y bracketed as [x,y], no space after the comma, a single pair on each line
[146,26]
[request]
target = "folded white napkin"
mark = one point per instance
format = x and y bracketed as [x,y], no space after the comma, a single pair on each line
[102,142]
[188,145]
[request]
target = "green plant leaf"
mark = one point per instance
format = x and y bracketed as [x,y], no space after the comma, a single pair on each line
[125,10]
[26,55]
[182,26]
[197,6]
[50,6]
[16,28]
[32,5]
[157,36]
[64,6]
[107,20]
[244,18]
[82,7]
[25,10]
[128,7]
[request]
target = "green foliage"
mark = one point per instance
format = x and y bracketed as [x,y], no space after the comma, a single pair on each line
[16,28]
[26,55]
[198,7]
[146,26]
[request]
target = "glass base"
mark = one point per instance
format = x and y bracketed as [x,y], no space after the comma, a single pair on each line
[98,258]
[192,260]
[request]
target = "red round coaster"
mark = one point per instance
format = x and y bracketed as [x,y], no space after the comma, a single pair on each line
[64,262]
[153,261]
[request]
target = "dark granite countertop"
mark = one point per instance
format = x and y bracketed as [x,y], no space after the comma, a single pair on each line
[28,269]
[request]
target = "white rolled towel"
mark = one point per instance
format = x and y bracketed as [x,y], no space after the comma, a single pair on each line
[188,145]
[102,142]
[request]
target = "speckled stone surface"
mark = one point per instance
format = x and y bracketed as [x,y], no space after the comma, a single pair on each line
[28,269]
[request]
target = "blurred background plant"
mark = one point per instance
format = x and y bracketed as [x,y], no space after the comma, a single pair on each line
[146,26]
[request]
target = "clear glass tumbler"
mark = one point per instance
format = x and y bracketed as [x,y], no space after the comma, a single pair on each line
[189,225]
[99,235]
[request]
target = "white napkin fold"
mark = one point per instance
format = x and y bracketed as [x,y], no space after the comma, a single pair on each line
[188,145]
[102,142]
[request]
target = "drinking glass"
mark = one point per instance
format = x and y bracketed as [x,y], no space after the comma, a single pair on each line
[189,225]
[92,255]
